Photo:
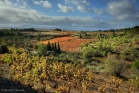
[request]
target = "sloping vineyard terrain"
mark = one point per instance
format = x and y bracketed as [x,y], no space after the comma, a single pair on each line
[90,62]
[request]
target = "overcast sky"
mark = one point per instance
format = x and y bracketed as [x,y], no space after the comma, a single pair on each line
[69,14]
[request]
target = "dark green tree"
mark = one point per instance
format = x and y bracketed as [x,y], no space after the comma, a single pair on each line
[58,48]
[113,34]
[3,49]
[55,47]
[49,46]
[52,46]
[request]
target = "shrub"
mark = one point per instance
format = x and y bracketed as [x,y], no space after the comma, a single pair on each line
[82,34]
[64,57]
[130,54]
[127,66]
[100,46]
[108,49]
[42,49]
[98,53]
[86,55]
[30,46]
[86,61]
[35,47]
[14,45]
[135,64]
[100,68]
[114,66]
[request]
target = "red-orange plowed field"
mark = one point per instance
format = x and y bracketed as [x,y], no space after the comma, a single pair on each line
[69,43]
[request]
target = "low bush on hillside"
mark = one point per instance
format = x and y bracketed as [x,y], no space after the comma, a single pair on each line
[130,54]
[114,66]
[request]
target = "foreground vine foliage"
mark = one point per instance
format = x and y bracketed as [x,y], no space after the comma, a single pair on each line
[45,75]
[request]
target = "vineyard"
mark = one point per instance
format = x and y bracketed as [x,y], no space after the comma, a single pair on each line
[86,62]
[45,75]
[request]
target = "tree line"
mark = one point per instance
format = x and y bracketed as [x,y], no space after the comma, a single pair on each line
[23,29]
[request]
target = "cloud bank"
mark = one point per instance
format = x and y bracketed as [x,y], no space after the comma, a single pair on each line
[116,14]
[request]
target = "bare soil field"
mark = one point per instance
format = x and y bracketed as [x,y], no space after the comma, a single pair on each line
[69,43]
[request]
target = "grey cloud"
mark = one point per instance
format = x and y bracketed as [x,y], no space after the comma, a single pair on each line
[45,4]
[65,9]
[37,2]
[24,3]
[123,10]
[17,0]
[81,4]
[77,2]
[5,2]
[82,8]
[97,10]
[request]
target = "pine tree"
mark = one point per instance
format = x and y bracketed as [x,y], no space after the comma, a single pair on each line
[58,48]
[49,46]
[52,46]
[55,47]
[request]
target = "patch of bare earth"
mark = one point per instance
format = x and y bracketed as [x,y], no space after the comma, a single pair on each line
[69,43]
